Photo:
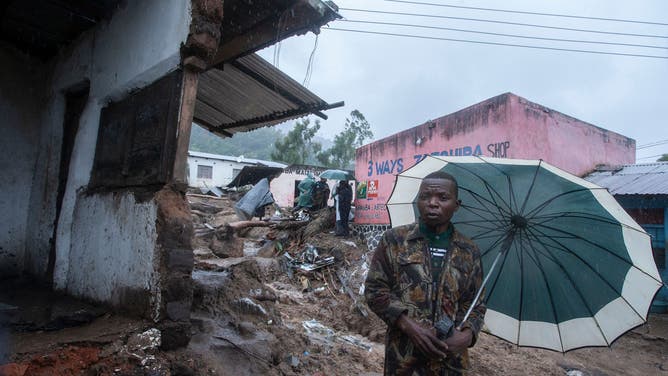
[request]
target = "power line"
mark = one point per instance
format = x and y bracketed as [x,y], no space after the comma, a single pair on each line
[496,43]
[652,156]
[531,13]
[652,144]
[503,22]
[502,34]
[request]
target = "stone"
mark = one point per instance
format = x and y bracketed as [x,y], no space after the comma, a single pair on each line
[179,310]
[174,334]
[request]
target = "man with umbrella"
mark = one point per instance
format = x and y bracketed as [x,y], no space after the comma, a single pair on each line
[422,280]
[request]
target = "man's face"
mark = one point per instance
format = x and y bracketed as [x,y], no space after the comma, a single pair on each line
[437,202]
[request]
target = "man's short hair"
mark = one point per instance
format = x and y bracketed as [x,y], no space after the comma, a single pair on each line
[443,176]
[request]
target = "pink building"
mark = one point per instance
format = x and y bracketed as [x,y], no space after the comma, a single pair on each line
[505,126]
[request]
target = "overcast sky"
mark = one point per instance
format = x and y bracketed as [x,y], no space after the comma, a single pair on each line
[399,82]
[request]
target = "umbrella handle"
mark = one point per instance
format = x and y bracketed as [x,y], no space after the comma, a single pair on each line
[504,248]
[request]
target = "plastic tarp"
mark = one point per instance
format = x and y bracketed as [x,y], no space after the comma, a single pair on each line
[258,197]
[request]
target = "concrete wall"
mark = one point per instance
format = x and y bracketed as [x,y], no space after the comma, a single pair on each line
[506,126]
[223,171]
[20,93]
[112,258]
[138,45]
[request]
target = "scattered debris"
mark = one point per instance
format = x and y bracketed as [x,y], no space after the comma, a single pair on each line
[282,296]
[146,341]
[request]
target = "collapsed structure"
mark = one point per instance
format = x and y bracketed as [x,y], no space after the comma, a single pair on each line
[98,99]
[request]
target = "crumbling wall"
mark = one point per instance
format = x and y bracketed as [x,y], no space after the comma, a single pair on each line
[174,228]
[138,45]
[20,94]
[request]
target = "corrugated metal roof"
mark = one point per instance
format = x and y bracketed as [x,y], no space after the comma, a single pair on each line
[240,159]
[637,179]
[250,93]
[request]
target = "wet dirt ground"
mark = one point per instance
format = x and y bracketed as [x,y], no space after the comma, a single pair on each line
[256,316]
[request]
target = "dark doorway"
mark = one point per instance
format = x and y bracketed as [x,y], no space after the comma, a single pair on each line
[75,102]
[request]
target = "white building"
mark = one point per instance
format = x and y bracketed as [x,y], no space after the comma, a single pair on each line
[214,170]
[284,187]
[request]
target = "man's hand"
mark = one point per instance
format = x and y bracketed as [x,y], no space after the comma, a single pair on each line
[459,340]
[425,339]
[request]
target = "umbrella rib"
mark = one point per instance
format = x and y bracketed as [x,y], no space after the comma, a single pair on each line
[485,236]
[536,259]
[566,250]
[511,192]
[593,217]
[498,274]
[547,202]
[481,220]
[595,245]
[490,229]
[533,182]
[491,247]
[479,198]
[490,190]
[554,259]
[481,209]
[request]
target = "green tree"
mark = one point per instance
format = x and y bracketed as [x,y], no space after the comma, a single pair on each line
[342,154]
[298,145]
[664,158]
[258,143]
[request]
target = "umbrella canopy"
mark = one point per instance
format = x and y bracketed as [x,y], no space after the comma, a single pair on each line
[337,175]
[566,266]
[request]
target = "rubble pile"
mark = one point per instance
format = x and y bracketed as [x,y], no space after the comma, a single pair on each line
[276,296]
[280,296]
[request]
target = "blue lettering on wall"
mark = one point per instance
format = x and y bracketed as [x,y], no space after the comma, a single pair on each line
[395,166]
[389,166]
[466,150]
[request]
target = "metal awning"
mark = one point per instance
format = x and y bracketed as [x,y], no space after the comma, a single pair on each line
[636,179]
[253,174]
[250,93]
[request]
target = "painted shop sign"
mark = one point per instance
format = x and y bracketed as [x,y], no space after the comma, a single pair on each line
[396,166]
[379,175]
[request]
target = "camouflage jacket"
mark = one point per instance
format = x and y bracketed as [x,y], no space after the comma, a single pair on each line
[400,280]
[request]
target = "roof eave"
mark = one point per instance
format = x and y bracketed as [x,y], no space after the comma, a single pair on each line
[299,18]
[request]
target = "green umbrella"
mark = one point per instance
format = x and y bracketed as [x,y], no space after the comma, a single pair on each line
[337,175]
[565,266]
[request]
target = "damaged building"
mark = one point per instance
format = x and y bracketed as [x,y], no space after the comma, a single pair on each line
[97,100]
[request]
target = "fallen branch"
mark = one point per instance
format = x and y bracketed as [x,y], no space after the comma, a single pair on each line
[288,225]
[236,226]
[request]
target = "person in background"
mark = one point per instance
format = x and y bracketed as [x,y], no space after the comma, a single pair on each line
[422,279]
[304,200]
[320,194]
[343,197]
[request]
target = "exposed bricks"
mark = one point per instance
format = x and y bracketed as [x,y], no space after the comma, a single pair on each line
[175,231]
[204,37]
